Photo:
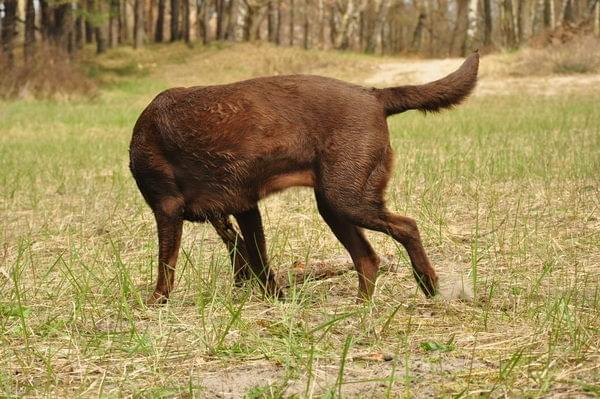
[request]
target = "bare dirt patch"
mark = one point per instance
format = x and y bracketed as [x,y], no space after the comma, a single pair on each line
[365,376]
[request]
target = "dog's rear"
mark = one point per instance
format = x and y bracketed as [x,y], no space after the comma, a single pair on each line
[206,153]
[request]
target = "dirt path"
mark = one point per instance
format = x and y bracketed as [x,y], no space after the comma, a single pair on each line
[422,71]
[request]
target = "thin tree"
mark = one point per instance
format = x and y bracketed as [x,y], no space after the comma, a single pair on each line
[306,36]
[292,26]
[29,42]
[232,20]
[417,38]
[79,29]
[487,23]
[159,31]
[374,35]
[186,21]
[149,25]
[507,20]
[469,41]
[113,23]
[175,34]
[60,26]
[549,14]
[138,24]
[220,9]
[322,23]
[123,23]
[90,10]
[9,31]
[271,21]
[100,27]
[523,20]
[460,28]
[202,20]
[597,18]
[254,17]
[279,34]
[341,39]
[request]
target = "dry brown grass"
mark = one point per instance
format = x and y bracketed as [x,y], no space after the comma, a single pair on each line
[225,63]
[574,57]
[577,56]
[50,74]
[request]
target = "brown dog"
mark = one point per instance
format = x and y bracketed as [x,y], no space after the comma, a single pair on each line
[204,153]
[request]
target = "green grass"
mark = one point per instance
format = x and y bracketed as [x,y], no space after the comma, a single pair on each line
[505,190]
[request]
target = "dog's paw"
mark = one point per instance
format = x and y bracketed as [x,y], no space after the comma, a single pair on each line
[156,298]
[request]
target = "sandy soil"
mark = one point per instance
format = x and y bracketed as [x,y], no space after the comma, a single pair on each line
[364,376]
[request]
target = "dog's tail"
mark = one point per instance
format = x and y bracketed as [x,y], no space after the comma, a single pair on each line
[434,96]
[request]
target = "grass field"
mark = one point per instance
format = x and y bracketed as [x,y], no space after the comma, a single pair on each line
[506,190]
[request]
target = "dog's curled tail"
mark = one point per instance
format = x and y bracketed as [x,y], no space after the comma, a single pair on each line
[432,97]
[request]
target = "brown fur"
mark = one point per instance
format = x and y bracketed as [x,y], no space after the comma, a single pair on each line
[204,153]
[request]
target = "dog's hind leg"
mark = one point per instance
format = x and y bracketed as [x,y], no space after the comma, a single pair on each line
[250,224]
[355,193]
[235,246]
[353,239]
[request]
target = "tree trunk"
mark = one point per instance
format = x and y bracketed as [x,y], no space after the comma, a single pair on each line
[138,24]
[149,19]
[202,19]
[69,25]
[220,8]
[460,28]
[332,25]
[566,14]
[508,24]
[253,21]
[374,37]
[113,23]
[306,41]
[123,23]
[279,38]
[248,18]
[258,21]
[232,20]
[206,17]
[159,32]
[418,34]
[186,21]
[487,22]
[9,31]
[100,27]
[523,19]
[469,41]
[597,18]
[79,31]
[341,40]
[292,27]
[271,21]
[62,25]
[549,15]
[100,40]
[45,19]
[175,35]
[322,23]
[89,24]
[29,43]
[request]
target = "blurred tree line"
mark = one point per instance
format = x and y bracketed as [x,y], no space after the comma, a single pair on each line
[428,27]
